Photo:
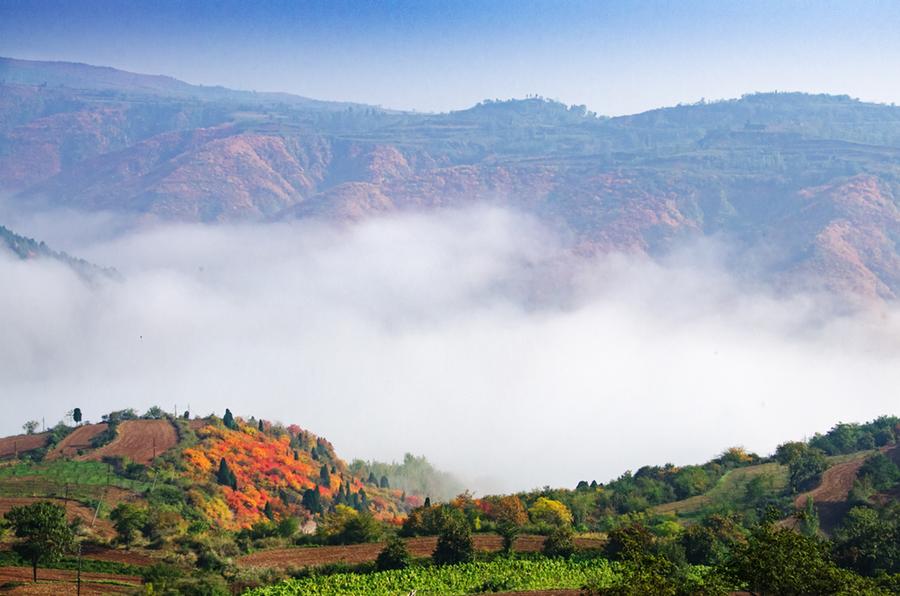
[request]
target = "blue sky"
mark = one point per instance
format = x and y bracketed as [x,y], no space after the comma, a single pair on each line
[616,57]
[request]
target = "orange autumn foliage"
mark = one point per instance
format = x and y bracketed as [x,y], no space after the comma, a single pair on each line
[265,467]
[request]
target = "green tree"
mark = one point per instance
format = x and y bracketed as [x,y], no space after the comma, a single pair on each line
[312,500]
[559,542]
[868,540]
[261,427]
[30,426]
[880,471]
[780,561]
[76,415]
[325,476]
[128,520]
[42,532]
[394,555]
[454,543]
[225,476]
[228,420]
[809,519]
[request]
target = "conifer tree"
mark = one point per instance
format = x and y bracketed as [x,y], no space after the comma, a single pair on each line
[228,420]
[225,476]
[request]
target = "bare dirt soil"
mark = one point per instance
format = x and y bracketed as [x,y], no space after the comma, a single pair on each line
[830,497]
[140,441]
[78,440]
[421,546]
[58,581]
[10,446]
[118,555]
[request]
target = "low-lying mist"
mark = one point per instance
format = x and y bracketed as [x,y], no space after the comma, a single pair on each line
[473,337]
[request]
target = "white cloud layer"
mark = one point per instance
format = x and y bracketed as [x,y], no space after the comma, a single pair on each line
[471,337]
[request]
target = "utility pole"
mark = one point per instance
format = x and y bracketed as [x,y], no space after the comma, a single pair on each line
[78,579]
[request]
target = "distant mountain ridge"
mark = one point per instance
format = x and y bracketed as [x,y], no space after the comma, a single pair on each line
[810,182]
[81,76]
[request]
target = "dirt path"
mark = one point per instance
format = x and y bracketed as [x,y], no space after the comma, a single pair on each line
[830,497]
[139,440]
[58,581]
[421,546]
[78,440]
[10,446]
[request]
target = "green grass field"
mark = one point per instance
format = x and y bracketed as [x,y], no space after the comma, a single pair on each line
[83,478]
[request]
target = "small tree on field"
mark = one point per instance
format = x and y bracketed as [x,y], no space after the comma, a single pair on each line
[559,542]
[76,415]
[395,555]
[454,543]
[228,420]
[42,531]
[30,426]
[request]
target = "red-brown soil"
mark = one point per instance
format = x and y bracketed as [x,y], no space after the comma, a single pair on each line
[58,581]
[10,446]
[117,555]
[139,440]
[78,440]
[360,553]
[73,509]
[830,497]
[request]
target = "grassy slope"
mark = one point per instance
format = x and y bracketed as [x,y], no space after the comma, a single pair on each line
[730,489]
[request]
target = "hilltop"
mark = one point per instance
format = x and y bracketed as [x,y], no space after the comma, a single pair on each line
[804,187]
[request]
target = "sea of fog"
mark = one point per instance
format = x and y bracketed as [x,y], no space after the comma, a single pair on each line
[473,337]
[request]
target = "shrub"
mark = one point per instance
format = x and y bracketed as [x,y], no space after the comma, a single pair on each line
[559,542]
[394,555]
[454,543]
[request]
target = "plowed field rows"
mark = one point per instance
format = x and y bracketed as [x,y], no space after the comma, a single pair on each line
[9,446]
[138,440]
[58,581]
[78,440]
[361,553]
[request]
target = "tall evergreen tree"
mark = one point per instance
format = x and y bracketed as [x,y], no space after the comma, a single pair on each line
[225,476]
[311,500]
[228,420]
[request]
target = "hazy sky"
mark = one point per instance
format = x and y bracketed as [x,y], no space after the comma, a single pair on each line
[616,57]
